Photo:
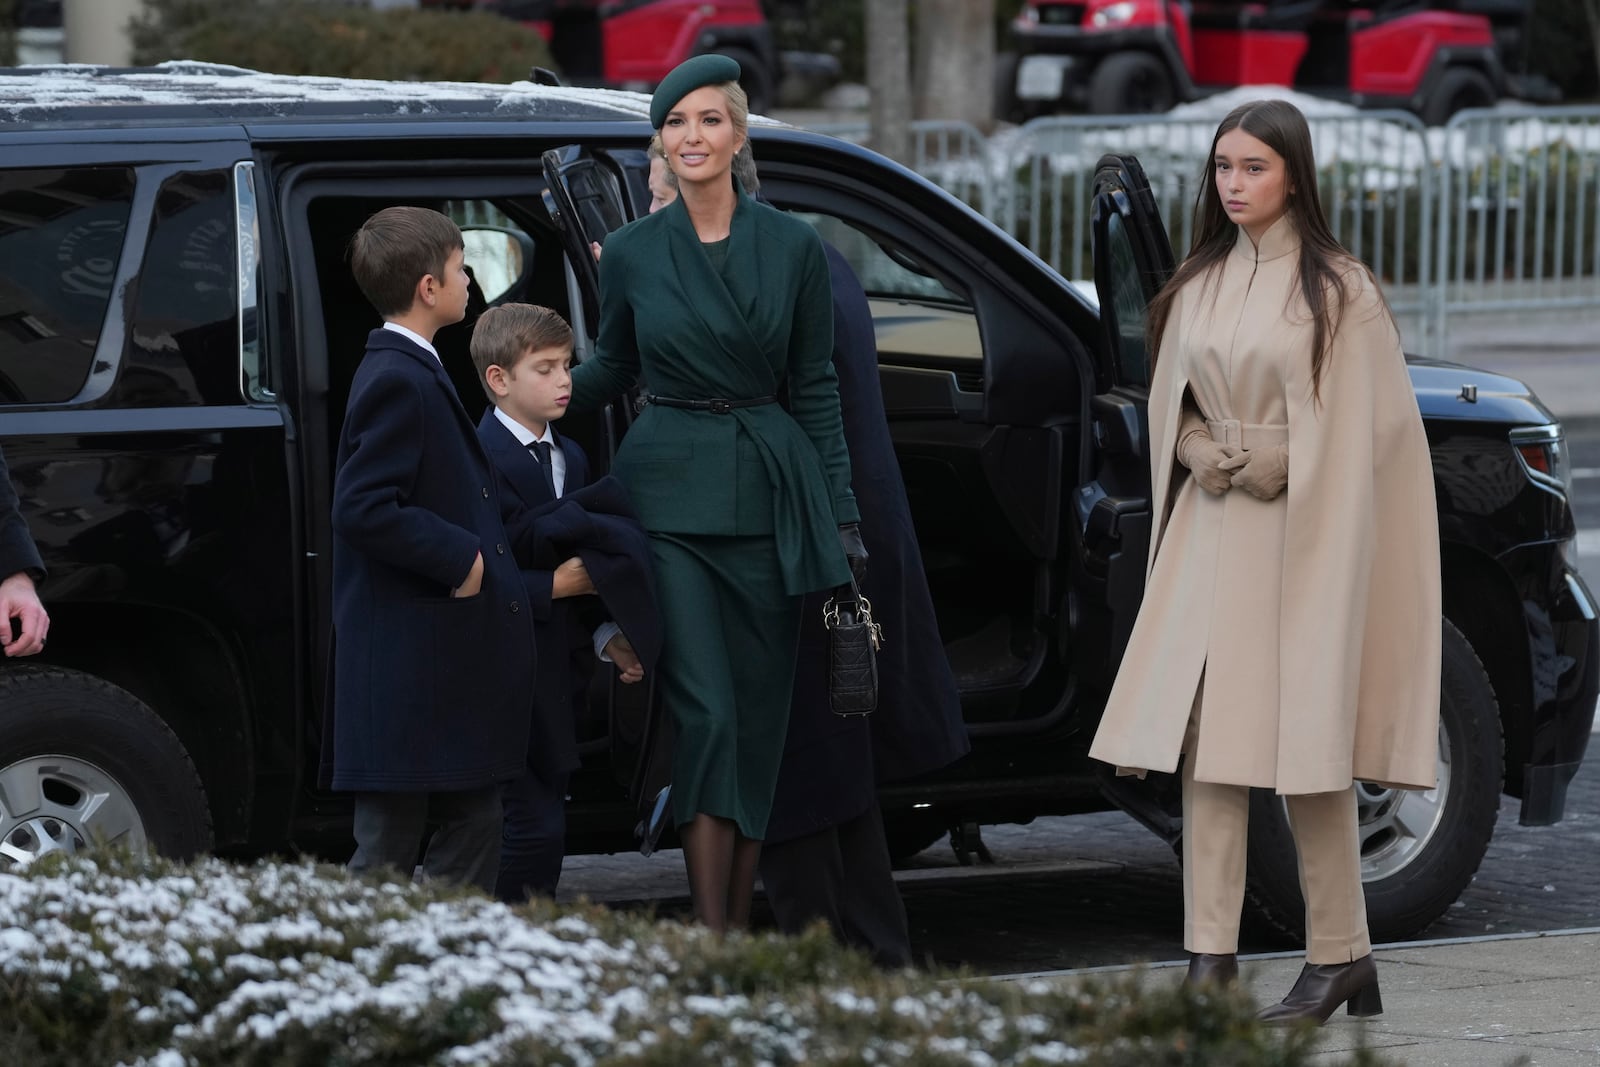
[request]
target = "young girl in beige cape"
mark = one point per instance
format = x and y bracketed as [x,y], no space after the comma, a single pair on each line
[1289,635]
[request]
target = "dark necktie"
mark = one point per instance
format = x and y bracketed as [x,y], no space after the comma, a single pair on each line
[541,452]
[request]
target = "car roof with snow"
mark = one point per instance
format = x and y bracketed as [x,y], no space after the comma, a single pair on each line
[206,93]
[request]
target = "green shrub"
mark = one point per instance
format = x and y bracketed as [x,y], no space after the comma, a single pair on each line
[324,37]
[115,960]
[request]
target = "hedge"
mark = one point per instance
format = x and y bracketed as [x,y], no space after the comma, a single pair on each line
[111,959]
[325,37]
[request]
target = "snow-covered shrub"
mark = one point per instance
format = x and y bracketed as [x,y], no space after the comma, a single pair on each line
[133,961]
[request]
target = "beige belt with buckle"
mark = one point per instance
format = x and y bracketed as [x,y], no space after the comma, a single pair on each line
[1246,435]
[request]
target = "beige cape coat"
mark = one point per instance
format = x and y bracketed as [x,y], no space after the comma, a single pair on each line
[1314,617]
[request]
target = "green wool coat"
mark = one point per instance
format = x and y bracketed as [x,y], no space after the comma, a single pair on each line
[693,332]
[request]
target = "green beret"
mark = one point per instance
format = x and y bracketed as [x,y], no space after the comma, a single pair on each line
[686,77]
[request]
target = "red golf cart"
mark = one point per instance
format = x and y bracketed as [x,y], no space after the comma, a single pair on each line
[1433,57]
[632,44]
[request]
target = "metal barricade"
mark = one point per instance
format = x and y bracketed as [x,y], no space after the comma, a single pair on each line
[1374,171]
[1519,212]
[1497,212]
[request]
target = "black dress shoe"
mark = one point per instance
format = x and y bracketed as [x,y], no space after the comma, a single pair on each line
[1212,968]
[1321,988]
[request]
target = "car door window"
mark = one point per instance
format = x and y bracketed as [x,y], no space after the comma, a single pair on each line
[919,319]
[1132,260]
[61,235]
[883,273]
[1129,310]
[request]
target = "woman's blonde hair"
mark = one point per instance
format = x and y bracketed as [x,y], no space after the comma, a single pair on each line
[738,107]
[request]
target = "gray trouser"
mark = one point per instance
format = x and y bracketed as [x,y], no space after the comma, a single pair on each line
[464,848]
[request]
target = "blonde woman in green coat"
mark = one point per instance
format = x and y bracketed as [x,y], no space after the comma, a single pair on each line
[721,302]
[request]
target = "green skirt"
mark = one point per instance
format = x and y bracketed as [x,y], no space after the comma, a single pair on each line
[726,673]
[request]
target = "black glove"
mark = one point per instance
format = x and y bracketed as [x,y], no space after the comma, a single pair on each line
[855,552]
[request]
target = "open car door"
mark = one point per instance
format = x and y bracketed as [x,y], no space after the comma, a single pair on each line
[588,194]
[1132,260]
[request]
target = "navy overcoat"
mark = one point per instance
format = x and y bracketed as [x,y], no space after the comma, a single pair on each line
[17,550]
[429,693]
[831,764]
[559,634]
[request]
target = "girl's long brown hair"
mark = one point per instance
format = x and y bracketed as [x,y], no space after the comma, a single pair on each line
[1323,260]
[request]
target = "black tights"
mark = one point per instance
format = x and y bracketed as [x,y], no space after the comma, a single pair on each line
[722,871]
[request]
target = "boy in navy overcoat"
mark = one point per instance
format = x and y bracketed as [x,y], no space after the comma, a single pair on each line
[523,355]
[433,660]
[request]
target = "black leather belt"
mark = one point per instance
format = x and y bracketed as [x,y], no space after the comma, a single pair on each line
[716,405]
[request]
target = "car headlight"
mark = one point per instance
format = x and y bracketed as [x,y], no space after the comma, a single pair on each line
[1113,14]
[1542,451]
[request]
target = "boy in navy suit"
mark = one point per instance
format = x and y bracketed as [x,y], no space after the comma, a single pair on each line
[433,663]
[523,354]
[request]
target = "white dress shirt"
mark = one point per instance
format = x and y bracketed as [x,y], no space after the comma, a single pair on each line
[558,474]
[415,336]
[525,437]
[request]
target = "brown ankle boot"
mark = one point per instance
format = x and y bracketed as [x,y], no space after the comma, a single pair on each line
[1212,968]
[1322,987]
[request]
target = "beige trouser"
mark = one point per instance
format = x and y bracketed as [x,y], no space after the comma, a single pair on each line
[1216,820]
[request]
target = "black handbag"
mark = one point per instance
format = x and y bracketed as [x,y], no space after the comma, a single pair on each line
[853,643]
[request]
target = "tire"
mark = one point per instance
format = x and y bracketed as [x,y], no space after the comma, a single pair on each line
[1410,878]
[911,837]
[1459,88]
[758,82]
[99,764]
[1131,83]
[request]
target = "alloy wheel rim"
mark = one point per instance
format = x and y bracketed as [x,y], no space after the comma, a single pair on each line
[1396,825]
[61,804]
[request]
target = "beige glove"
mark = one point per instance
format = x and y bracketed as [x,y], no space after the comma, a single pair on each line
[1203,456]
[1262,472]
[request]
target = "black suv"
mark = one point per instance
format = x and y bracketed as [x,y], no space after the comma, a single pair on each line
[179,328]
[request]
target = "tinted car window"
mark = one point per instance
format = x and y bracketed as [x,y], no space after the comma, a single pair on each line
[1129,306]
[61,234]
[184,344]
[881,274]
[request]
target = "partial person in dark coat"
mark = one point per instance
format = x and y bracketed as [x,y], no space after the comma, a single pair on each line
[433,659]
[20,571]
[523,357]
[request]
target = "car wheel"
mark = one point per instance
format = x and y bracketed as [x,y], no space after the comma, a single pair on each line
[1131,83]
[81,762]
[754,77]
[908,837]
[1459,88]
[1419,849]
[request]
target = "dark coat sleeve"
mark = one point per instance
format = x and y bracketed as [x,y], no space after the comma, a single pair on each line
[18,553]
[813,383]
[387,429]
[615,365]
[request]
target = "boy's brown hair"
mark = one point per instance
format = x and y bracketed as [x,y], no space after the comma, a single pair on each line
[395,248]
[504,334]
